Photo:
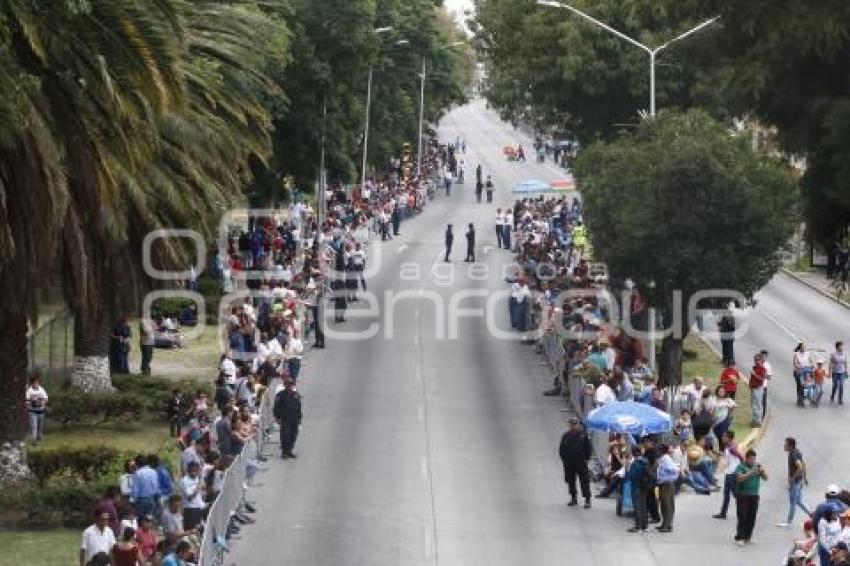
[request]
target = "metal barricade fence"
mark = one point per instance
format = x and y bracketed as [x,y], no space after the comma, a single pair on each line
[235,485]
[50,349]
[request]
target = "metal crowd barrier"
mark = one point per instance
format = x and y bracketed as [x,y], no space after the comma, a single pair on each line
[235,485]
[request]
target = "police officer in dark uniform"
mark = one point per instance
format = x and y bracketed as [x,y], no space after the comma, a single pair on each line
[339,286]
[470,243]
[450,238]
[287,412]
[575,450]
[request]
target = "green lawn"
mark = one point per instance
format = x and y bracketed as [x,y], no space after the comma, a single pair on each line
[54,547]
[197,358]
[707,364]
[144,437]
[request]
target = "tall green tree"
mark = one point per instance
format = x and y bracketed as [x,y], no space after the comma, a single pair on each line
[679,205]
[788,64]
[197,169]
[33,195]
[118,118]
[549,67]
[333,45]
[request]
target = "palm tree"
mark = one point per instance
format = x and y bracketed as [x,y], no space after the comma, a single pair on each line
[199,165]
[82,85]
[33,193]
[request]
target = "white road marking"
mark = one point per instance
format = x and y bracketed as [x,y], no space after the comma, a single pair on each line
[423,465]
[401,248]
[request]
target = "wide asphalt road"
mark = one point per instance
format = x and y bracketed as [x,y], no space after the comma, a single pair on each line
[428,440]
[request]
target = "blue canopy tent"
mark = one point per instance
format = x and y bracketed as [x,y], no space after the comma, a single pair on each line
[628,417]
[532,186]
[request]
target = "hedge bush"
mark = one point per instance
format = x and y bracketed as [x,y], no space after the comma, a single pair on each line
[156,391]
[68,505]
[72,405]
[78,464]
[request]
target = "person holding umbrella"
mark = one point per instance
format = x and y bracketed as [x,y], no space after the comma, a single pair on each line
[575,450]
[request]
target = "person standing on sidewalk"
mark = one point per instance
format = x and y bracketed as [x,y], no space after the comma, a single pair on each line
[838,367]
[639,476]
[500,225]
[667,472]
[470,244]
[733,459]
[802,364]
[796,481]
[575,450]
[768,370]
[450,238]
[726,326]
[758,378]
[748,475]
[287,411]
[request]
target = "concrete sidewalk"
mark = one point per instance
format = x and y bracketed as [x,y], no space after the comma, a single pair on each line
[816,279]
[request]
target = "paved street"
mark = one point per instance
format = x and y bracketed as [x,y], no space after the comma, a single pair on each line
[423,450]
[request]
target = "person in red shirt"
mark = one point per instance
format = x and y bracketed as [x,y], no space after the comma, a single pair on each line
[729,378]
[146,537]
[758,377]
[820,376]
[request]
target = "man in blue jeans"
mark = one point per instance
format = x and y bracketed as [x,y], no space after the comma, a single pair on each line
[733,459]
[796,481]
[838,366]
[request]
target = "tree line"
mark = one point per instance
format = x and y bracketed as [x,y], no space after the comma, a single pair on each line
[120,117]
[676,203]
[783,63]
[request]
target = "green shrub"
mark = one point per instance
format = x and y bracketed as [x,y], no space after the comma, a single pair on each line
[156,391]
[68,505]
[83,464]
[72,405]
[169,306]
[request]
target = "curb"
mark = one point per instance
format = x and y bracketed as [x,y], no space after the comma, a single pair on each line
[826,294]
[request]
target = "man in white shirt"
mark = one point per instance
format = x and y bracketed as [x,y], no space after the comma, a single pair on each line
[229,369]
[97,538]
[191,488]
[604,395]
[768,369]
[693,392]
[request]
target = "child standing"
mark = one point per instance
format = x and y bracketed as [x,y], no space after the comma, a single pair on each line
[820,376]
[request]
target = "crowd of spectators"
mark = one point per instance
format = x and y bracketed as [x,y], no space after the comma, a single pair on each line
[155,514]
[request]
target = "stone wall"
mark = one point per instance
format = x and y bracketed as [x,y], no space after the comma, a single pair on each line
[13,465]
[91,374]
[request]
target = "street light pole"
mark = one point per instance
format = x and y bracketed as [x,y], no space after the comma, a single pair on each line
[652,51]
[421,120]
[366,130]
[422,110]
[376,31]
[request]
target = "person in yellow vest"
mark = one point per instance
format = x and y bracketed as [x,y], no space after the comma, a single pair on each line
[579,235]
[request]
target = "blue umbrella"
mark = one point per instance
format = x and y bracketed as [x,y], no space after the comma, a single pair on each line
[628,417]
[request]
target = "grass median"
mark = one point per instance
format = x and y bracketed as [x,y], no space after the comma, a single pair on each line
[700,360]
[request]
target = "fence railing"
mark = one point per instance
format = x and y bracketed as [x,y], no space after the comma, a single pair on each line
[50,348]
[237,479]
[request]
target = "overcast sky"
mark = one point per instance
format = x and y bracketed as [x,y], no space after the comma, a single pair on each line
[458,6]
